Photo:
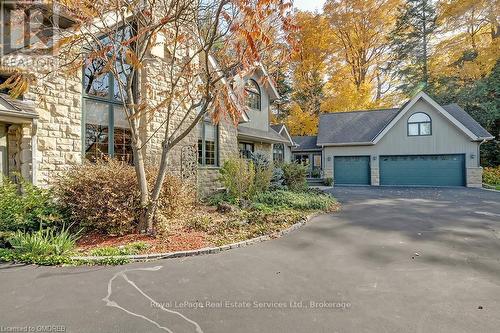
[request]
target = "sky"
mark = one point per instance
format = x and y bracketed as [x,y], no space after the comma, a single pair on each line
[310,5]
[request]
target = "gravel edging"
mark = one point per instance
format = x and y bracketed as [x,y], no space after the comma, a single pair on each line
[206,250]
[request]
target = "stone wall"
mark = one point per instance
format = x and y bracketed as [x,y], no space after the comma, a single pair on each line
[228,147]
[57,100]
[474,177]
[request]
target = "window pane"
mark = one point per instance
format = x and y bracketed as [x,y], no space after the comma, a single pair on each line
[253,95]
[412,129]
[419,117]
[317,160]
[425,128]
[124,73]
[120,118]
[96,83]
[122,136]
[96,129]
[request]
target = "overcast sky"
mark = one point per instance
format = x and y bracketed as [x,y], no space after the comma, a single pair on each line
[310,5]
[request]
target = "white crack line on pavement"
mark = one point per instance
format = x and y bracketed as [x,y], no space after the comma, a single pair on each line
[487,213]
[116,305]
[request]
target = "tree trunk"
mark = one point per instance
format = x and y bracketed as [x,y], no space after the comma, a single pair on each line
[142,181]
[155,196]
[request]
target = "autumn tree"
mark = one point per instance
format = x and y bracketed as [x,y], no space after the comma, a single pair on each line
[411,42]
[309,62]
[208,48]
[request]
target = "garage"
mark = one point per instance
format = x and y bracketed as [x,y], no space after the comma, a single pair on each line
[423,170]
[351,170]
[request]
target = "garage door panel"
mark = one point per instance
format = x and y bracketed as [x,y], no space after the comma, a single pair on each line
[426,170]
[351,170]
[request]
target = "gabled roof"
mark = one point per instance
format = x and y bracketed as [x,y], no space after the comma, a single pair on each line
[368,127]
[283,131]
[465,119]
[258,135]
[464,127]
[355,127]
[304,143]
[16,108]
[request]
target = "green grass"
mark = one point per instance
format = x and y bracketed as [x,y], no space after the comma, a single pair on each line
[129,249]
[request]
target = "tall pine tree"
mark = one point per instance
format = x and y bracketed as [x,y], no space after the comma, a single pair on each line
[410,41]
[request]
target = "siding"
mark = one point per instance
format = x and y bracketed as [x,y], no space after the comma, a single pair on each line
[259,119]
[445,139]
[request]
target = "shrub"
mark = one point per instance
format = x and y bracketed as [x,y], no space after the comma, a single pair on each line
[292,200]
[491,175]
[295,176]
[328,181]
[26,207]
[278,179]
[263,172]
[238,176]
[44,242]
[104,196]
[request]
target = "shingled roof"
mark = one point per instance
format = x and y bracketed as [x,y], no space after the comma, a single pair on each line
[363,127]
[465,119]
[305,143]
[353,127]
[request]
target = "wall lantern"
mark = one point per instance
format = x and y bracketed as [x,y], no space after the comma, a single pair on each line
[472,156]
[329,158]
[374,158]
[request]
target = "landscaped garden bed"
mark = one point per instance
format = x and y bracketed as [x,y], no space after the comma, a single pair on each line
[92,213]
[491,177]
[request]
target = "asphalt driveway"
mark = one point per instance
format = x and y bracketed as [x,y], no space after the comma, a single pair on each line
[394,260]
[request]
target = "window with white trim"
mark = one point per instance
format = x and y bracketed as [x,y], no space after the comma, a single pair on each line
[253,95]
[208,143]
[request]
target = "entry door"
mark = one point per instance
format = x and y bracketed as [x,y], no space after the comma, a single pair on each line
[351,170]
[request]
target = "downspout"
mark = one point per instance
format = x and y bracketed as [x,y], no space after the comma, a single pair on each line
[34,148]
[479,152]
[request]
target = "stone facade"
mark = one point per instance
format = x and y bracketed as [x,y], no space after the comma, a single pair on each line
[208,177]
[474,176]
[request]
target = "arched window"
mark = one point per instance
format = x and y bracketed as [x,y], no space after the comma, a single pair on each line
[419,124]
[253,95]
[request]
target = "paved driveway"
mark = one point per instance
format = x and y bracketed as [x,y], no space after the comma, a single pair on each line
[394,260]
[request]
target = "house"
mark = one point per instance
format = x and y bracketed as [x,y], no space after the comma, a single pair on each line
[63,120]
[421,143]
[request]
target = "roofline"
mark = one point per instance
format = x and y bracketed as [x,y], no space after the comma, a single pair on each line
[428,99]
[369,143]
[18,114]
[260,138]
[356,111]
[299,150]
[270,82]
[283,127]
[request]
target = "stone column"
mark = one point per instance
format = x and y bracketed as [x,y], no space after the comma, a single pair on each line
[374,170]
[474,177]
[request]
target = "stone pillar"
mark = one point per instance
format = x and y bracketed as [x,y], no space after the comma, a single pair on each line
[19,150]
[474,177]
[374,170]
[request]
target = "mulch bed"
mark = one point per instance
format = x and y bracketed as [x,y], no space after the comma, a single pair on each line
[178,241]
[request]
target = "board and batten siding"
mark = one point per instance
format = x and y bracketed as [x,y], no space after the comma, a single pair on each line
[446,138]
[259,119]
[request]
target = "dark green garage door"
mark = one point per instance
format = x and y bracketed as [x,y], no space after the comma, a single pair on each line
[351,170]
[425,170]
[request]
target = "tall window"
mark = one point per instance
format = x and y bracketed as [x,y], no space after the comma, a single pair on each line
[107,131]
[246,149]
[278,152]
[419,124]
[253,95]
[207,143]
